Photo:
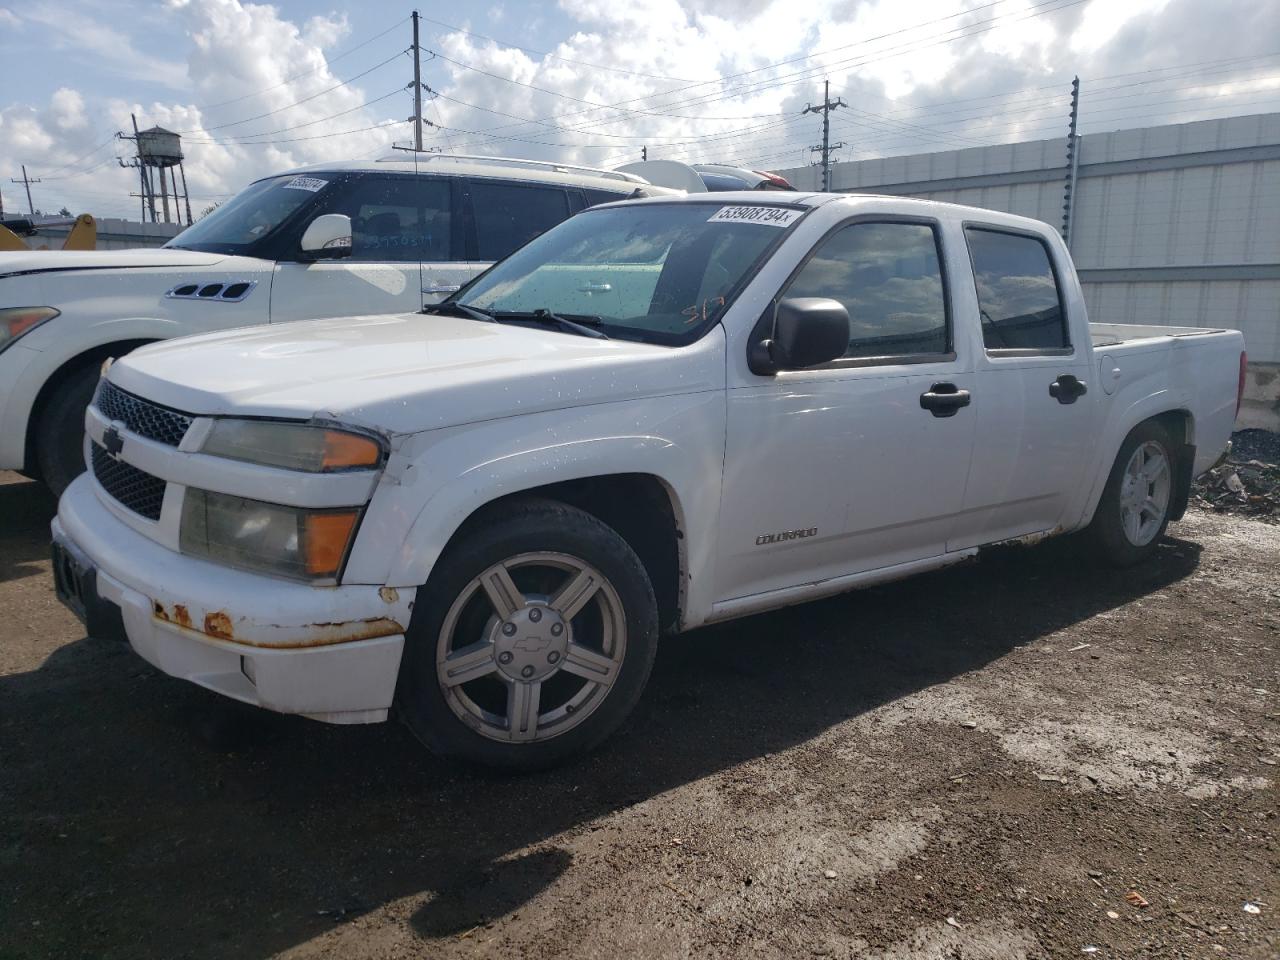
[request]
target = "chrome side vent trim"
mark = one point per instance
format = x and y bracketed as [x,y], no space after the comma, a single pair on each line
[232,292]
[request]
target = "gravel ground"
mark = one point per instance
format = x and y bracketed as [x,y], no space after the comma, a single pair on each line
[980,763]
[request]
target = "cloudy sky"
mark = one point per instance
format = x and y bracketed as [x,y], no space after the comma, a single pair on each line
[258,88]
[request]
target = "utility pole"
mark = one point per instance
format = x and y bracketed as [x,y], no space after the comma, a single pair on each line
[1073,164]
[417,87]
[27,182]
[826,149]
[147,196]
[644,153]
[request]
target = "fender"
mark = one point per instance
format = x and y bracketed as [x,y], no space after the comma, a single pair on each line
[48,353]
[677,439]
[1133,405]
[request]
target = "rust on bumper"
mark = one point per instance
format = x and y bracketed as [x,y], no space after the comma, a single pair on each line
[222,625]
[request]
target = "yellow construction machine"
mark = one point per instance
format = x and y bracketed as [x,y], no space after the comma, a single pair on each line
[83,235]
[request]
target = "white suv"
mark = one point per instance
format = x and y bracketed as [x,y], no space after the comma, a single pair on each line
[379,237]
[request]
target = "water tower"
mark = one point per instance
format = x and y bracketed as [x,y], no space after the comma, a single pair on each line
[159,161]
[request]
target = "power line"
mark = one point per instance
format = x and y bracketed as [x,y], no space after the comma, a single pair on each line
[296,103]
[386,124]
[552,56]
[772,66]
[755,87]
[589,103]
[79,160]
[329,61]
[244,137]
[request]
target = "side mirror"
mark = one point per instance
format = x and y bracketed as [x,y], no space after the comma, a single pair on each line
[807,331]
[328,235]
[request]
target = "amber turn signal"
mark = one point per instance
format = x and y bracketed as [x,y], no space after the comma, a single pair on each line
[345,450]
[325,541]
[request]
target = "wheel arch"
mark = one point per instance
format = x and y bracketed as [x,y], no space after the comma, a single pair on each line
[1179,422]
[641,507]
[92,356]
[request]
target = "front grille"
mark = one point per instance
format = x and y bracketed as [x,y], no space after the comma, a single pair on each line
[142,417]
[139,491]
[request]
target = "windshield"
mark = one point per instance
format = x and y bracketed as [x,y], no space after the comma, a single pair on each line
[656,272]
[251,215]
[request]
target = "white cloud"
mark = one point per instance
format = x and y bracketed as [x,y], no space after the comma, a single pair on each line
[112,49]
[66,109]
[1101,22]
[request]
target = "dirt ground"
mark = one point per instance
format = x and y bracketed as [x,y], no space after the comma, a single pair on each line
[980,763]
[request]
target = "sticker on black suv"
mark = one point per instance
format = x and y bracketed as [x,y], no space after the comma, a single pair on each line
[306,183]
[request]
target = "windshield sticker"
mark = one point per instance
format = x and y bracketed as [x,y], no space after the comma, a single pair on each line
[311,184]
[770,216]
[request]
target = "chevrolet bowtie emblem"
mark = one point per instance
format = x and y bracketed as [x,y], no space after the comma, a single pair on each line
[112,441]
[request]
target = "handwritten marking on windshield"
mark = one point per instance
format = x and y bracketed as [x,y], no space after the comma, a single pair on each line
[695,314]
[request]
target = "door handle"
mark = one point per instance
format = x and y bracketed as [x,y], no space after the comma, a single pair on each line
[590,287]
[443,288]
[944,399]
[1067,388]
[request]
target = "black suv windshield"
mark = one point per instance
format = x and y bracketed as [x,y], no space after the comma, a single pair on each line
[252,215]
[659,272]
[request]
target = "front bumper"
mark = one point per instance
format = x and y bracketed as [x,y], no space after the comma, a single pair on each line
[331,653]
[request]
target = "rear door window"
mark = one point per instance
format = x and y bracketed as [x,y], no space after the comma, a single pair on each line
[509,215]
[1019,300]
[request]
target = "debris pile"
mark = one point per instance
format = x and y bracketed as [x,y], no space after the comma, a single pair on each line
[1248,482]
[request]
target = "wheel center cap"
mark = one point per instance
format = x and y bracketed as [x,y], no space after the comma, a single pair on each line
[531,643]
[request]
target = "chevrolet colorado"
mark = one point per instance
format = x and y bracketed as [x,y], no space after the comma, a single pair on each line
[659,414]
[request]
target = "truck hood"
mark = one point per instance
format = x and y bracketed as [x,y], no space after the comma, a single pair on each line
[408,373]
[39,261]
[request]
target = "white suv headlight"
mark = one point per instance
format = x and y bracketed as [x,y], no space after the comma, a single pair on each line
[15,321]
[293,446]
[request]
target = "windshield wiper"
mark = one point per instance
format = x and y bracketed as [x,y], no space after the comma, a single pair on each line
[459,310]
[582,324]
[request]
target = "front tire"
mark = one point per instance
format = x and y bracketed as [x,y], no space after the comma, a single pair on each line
[1134,509]
[59,439]
[531,642]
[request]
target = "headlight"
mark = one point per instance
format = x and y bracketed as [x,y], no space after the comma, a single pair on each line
[291,542]
[294,446]
[15,321]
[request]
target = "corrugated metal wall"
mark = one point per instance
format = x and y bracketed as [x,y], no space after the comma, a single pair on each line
[1202,198]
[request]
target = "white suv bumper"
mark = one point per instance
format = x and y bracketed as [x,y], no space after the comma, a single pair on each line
[331,653]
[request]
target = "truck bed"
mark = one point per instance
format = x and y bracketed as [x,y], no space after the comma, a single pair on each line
[1114,334]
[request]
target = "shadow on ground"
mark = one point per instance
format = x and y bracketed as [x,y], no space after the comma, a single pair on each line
[143,817]
[25,512]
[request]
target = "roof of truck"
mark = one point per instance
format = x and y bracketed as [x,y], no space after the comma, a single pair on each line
[874,201]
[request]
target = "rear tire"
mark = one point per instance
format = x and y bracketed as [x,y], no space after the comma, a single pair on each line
[59,436]
[1134,509]
[531,642]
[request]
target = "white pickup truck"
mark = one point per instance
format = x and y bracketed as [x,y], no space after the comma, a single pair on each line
[659,414]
